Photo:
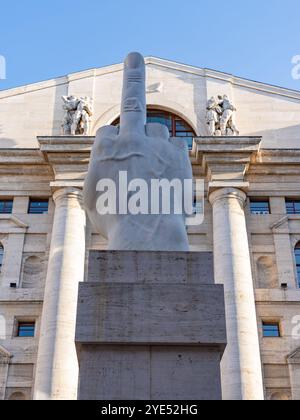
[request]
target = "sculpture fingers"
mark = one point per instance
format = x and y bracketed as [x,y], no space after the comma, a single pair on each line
[105,138]
[133,106]
[180,143]
[107,131]
[157,130]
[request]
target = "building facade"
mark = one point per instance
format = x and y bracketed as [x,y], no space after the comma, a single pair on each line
[251,223]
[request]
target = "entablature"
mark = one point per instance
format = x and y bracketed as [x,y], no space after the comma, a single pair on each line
[221,160]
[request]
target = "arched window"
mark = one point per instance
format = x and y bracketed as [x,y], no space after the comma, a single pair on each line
[176,125]
[1,255]
[297,256]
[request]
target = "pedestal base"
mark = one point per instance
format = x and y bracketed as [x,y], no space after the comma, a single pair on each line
[150,326]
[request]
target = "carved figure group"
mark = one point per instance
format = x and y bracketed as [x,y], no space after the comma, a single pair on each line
[220,117]
[78,112]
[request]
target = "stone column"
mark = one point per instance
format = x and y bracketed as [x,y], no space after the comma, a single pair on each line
[4,364]
[241,364]
[57,366]
[294,368]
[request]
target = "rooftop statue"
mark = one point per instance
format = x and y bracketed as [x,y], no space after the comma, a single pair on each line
[77,115]
[137,151]
[220,117]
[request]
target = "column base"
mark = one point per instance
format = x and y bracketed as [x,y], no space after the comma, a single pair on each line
[150,325]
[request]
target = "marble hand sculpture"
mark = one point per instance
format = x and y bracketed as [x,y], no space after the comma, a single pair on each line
[142,151]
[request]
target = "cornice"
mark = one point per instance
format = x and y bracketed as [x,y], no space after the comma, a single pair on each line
[74,153]
[24,163]
[225,161]
[282,225]
[12,224]
[15,156]
[66,150]
[211,145]
[294,357]
[159,62]
[57,143]
[279,223]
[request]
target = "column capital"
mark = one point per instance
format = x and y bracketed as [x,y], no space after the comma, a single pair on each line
[69,192]
[226,193]
[225,161]
[68,158]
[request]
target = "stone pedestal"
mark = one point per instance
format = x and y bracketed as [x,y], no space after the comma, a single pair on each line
[150,325]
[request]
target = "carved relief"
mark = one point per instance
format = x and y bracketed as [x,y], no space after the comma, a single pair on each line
[266,272]
[17,396]
[33,272]
[280,396]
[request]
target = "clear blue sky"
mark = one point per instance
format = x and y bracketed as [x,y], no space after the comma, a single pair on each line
[255,39]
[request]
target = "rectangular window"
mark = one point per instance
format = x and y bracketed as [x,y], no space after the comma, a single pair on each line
[298,275]
[26,329]
[198,206]
[292,206]
[271,329]
[260,206]
[38,206]
[1,256]
[297,255]
[6,206]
